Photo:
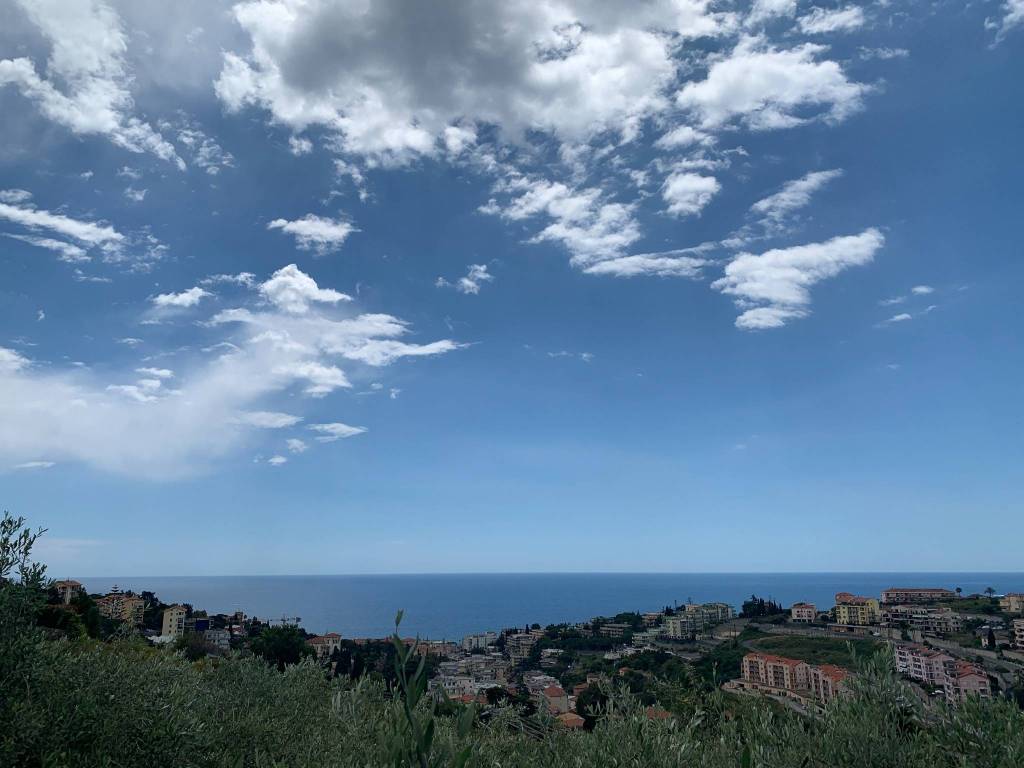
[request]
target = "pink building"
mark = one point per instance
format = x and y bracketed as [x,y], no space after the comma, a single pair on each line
[775,672]
[964,679]
[828,682]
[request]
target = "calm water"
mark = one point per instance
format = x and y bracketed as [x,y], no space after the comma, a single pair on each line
[452,605]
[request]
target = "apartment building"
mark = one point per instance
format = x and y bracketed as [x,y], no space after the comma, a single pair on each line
[803,613]
[68,590]
[555,699]
[964,679]
[218,638]
[1018,634]
[854,609]
[828,682]
[325,645]
[775,672]
[173,624]
[122,607]
[1012,602]
[518,646]
[479,641]
[916,595]
[922,663]
[694,619]
[614,629]
[925,618]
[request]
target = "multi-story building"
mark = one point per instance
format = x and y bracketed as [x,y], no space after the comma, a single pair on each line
[555,699]
[854,609]
[775,672]
[964,679]
[68,590]
[647,637]
[218,638]
[694,619]
[518,646]
[916,595]
[1012,602]
[925,618]
[653,618]
[479,641]
[325,645]
[922,663]
[828,682]
[803,613]
[1018,633]
[614,629]
[173,621]
[122,607]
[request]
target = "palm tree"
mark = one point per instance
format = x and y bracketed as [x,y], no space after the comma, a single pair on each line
[959,590]
[989,591]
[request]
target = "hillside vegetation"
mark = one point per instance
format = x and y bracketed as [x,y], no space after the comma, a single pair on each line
[83,702]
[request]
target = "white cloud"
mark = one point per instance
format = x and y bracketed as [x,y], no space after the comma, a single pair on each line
[773,287]
[40,316]
[15,196]
[586,357]
[762,11]
[86,82]
[900,318]
[892,301]
[649,265]
[883,54]
[135,195]
[87,232]
[766,88]
[68,252]
[299,146]
[35,465]
[822,21]
[185,299]
[1013,17]
[246,279]
[683,136]
[688,193]
[156,373]
[203,150]
[294,291]
[316,233]
[794,195]
[295,445]
[574,69]
[277,461]
[143,428]
[922,290]
[476,275]
[328,433]
[267,419]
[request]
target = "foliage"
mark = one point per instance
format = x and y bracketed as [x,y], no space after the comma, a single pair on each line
[816,650]
[757,606]
[282,645]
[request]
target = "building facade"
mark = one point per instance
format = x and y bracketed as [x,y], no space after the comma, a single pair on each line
[1012,602]
[173,624]
[916,595]
[778,675]
[1018,634]
[803,613]
[122,607]
[325,645]
[694,619]
[854,609]
[68,590]
[925,618]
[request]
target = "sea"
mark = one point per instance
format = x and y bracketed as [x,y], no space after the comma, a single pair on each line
[449,606]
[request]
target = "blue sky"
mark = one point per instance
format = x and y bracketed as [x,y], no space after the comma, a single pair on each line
[329,287]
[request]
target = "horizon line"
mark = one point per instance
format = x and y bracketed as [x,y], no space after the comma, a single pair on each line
[545,573]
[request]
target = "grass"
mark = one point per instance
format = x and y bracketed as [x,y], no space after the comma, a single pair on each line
[816,650]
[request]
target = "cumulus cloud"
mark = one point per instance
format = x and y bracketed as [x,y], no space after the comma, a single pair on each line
[762,11]
[774,287]
[657,265]
[821,21]
[922,290]
[794,195]
[15,196]
[1013,17]
[688,193]
[573,69]
[476,275]
[295,445]
[183,300]
[766,88]
[85,86]
[294,291]
[156,373]
[277,461]
[220,402]
[316,233]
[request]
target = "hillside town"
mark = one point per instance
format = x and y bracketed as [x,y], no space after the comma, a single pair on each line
[950,646]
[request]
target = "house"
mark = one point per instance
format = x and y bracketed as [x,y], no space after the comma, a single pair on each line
[571,720]
[803,613]
[173,624]
[556,699]
[916,595]
[68,590]
[122,607]
[325,645]
[854,609]
[1011,602]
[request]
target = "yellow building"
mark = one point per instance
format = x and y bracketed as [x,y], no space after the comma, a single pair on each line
[1012,602]
[174,621]
[853,609]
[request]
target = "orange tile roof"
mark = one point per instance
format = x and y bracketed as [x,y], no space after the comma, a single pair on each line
[554,691]
[834,673]
[571,720]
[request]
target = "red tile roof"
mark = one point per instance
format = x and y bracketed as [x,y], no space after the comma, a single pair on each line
[554,692]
